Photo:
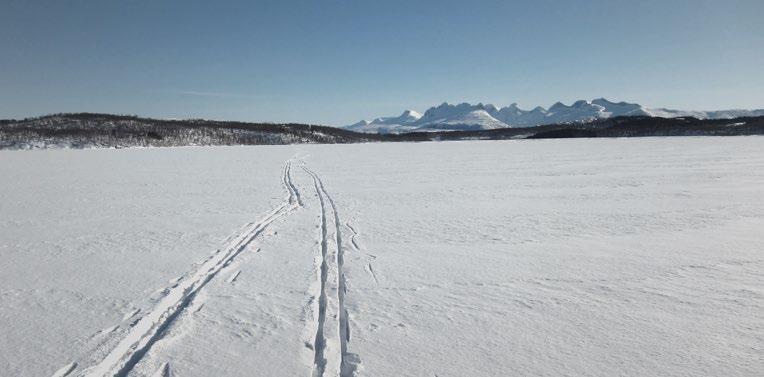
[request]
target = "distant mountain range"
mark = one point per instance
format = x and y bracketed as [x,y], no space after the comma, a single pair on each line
[468,117]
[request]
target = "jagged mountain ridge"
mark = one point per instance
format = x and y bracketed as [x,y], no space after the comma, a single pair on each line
[465,116]
[386,124]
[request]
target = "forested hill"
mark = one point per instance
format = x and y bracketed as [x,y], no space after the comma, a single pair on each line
[86,130]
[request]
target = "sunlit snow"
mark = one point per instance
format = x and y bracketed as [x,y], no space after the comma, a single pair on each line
[581,257]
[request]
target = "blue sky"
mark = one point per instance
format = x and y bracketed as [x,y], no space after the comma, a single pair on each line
[335,62]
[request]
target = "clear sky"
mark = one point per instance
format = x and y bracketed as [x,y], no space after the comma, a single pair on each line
[335,62]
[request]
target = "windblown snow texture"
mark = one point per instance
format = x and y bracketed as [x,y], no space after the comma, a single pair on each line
[595,257]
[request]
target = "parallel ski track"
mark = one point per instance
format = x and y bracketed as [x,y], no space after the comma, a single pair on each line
[294,194]
[325,364]
[151,327]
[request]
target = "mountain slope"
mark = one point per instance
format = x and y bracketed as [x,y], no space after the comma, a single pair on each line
[468,117]
[401,123]
[460,117]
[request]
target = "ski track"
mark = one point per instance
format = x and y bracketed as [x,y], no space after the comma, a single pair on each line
[233,277]
[130,314]
[294,194]
[65,370]
[163,371]
[328,360]
[151,327]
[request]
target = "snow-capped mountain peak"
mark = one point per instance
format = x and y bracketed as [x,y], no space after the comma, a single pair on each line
[557,106]
[410,116]
[387,124]
[465,116]
[620,108]
[361,123]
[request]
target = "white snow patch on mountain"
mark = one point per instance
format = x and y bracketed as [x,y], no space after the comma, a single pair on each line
[387,124]
[465,116]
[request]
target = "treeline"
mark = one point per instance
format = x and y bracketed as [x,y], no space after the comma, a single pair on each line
[647,126]
[84,130]
[87,130]
[637,126]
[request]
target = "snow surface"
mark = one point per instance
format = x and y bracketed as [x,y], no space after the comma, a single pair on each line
[585,257]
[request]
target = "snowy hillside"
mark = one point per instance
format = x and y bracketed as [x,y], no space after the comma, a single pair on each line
[465,116]
[86,130]
[718,114]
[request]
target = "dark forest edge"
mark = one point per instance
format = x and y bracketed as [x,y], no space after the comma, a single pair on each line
[88,130]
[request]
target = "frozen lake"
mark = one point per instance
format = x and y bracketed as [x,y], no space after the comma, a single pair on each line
[581,257]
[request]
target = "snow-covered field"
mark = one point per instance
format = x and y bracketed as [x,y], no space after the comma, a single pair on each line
[582,257]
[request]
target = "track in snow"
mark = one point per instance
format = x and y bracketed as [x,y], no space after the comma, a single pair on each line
[294,194]
[151,327]
[333,331]
[369,268]
[65,370]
